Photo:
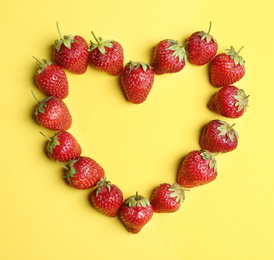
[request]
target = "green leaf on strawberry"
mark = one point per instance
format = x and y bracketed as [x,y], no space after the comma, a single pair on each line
[100,44]
[179,49]
[53,143]
[136,200]
[226,129]
[207,36]
[103,183]
[209,157]
[177,192]
[242,100]
[71,171]
[41,66]
[67,40]
[137,65]
[41,104]
[235,56]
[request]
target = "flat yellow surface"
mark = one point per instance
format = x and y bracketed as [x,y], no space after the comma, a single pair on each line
[139,146]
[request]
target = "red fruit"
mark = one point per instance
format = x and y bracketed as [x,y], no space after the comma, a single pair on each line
[83,173]
[135,213]
[52,113]
[229,102]
[107,198]
[167,198]
[169,57]
[52,79]
[137,80]
[219,136]
[107,56]
[198,168]
[63,147]
[201,47]
[227,68]
[71,53]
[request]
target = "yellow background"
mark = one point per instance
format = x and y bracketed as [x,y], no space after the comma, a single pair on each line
[139,146]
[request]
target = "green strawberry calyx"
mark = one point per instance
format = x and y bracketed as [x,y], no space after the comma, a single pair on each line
[235,56]
[67,40]
[53,142]
[41,66]
[137,64]
[41,104]
[178,48]
[103,183]
[71,171]
[100,44]
[226,129]
[177,192]
[242,100]
[207,36]
[209,157]
[137,200]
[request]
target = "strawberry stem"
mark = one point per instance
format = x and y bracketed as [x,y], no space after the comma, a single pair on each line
[38,62]
[35,97]
[137,197]
[239,50]
[184,45]
[45,136]
[59,31]
[216,154]
[209,28]
[96,39]
[65,167]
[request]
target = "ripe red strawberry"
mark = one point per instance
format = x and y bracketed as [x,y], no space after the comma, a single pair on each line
[229,102]
[107,198]
[169,57]
[201,47]
[137,80]
[227,68]
[71,53]
[135,213]
[63,147]
[219,136]
[167,198]
[198,168]
[107,56]
[83,173]
[52,113]
[52,79]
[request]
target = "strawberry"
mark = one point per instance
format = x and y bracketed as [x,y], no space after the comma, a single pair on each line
[229,102]
[227,68]
[107,198]
[135,213]
[137,80]
[218,136]
[63,147]
[71,53]
[201,47]
[198,168]
[169,57]
[106,56]
[167,198]
[83,173]
[52,79]
[53,113]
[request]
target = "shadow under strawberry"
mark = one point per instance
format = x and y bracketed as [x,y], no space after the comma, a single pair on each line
[209,71]
[119,82]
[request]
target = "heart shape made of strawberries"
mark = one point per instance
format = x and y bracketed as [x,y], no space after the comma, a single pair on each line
[199,167]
